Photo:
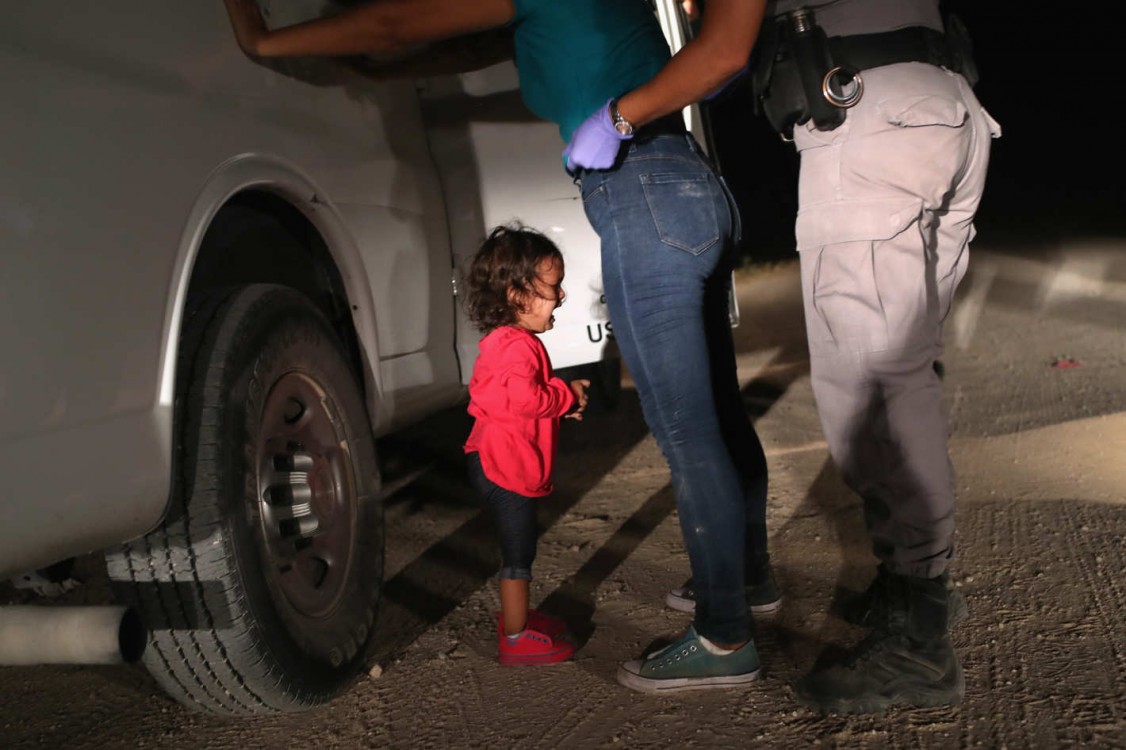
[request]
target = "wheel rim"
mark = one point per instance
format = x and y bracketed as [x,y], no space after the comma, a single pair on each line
[306,496]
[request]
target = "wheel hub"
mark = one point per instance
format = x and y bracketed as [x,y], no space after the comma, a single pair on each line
[307,502]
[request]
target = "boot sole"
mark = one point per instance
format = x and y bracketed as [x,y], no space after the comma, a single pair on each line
[932,698]
[688,606]
[676,684]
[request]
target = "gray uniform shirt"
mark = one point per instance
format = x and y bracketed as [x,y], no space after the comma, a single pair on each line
[848,17]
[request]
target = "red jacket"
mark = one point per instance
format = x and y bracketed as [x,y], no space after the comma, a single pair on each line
[517,402]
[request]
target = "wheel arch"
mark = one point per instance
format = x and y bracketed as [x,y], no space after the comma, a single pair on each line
[323,263]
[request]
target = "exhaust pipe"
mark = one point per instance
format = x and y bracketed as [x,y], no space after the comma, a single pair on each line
[70,635]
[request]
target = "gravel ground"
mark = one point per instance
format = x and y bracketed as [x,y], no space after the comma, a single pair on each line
[1037,396]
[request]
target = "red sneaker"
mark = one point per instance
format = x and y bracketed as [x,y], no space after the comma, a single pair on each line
[532,647]
[550,626]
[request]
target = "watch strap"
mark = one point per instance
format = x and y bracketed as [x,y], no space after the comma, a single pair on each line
[621,124]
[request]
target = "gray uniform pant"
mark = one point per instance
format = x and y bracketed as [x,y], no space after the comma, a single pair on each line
[886,208]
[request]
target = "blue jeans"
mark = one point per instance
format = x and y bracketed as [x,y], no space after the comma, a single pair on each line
[668,229]
[515,517]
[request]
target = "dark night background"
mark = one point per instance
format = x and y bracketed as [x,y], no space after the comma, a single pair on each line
[1047,76]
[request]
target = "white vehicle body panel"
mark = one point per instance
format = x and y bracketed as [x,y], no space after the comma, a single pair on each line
[127,125]
[125,129]
[488,146]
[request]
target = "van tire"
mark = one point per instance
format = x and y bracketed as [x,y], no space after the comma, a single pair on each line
[260,587]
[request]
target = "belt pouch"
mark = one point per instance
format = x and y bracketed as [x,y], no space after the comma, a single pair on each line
[789,72]
[814,61]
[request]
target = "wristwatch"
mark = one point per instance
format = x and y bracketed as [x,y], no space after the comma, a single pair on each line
[621,124]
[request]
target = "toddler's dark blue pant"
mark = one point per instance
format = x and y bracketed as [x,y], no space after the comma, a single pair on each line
[515,516]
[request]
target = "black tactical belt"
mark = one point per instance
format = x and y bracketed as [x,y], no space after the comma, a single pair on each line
[799,74]
[912,44]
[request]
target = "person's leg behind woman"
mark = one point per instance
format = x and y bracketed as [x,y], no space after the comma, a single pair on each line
[739,434]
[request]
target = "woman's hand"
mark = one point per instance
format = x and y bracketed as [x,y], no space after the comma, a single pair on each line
[248,24]
[595,143]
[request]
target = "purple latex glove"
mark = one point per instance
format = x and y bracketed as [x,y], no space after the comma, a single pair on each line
[595,143]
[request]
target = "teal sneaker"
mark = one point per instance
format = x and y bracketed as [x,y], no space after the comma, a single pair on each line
[762,599]
[688,665]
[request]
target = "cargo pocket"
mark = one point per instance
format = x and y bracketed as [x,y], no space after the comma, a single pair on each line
[922,111]
[863,273]
[683,210]
[848,221]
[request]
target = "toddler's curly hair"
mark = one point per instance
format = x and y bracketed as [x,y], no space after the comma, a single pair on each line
[507,260]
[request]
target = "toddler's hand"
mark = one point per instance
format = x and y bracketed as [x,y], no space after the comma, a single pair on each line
[579,387]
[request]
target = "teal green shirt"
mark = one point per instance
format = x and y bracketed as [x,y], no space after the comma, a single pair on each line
[573,55]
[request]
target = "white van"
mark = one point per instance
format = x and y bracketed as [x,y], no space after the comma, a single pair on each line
[218,284]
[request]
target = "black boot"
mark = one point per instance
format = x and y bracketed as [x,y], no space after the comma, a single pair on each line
[907,660]
[869,606]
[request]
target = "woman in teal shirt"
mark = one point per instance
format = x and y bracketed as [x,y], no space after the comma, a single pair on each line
[668,230]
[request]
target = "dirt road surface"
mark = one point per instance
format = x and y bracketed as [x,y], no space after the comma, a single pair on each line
[1035,374]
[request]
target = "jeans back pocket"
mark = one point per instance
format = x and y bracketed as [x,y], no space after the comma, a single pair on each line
[683,209]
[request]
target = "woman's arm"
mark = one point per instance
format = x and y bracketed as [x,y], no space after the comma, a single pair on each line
[379,26]
[705,64]
[449,56]
[727,35]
